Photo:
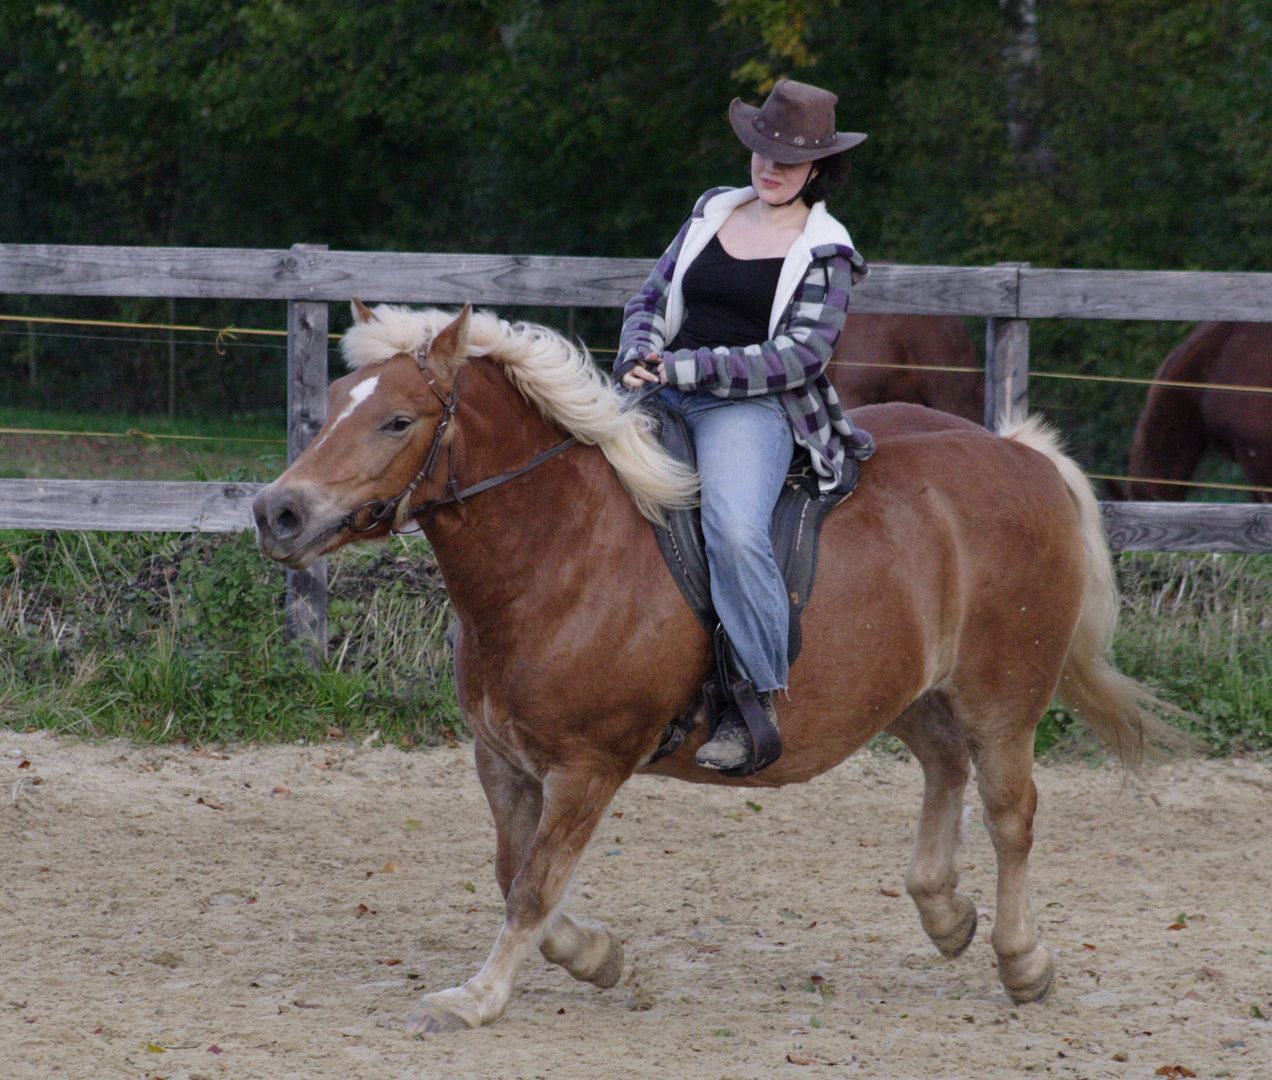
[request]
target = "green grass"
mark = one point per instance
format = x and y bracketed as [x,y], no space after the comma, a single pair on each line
[182,637]
[1198,629]
[161,637]
[243,448]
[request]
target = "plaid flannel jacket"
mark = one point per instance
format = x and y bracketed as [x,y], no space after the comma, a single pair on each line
[803,332]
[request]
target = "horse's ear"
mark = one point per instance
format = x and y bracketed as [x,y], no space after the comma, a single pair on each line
[450,347]
[362,313]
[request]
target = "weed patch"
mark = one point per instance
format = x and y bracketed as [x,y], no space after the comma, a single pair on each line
[164,637]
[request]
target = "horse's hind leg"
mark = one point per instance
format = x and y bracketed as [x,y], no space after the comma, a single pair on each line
[929,729]
[542,830]
[588,952]
[1004,766]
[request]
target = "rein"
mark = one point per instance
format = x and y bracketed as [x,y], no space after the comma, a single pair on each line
[399,508]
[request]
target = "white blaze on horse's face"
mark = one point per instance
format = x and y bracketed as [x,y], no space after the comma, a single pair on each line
[357,396]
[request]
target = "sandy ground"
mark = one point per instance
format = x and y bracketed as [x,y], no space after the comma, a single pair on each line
[276,912]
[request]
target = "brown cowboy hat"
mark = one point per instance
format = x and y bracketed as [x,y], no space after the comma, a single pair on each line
[795,124]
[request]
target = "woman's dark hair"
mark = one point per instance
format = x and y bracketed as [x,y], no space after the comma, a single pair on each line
[831,172]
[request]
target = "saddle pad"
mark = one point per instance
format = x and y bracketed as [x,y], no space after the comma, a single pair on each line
[795,529]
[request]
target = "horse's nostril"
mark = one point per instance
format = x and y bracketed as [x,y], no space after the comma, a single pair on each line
[287,524]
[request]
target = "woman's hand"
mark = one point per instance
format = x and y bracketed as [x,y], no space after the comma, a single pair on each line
[647,370]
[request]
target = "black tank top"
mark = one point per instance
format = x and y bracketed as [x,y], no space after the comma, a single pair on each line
[727,301]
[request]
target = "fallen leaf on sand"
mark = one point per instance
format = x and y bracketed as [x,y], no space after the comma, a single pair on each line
[796,1058]
[1174,1070]
[390,868]
[389,963]
[209,803]
[281,791]
[887,891]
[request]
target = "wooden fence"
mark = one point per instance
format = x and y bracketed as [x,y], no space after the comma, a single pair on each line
[309,277]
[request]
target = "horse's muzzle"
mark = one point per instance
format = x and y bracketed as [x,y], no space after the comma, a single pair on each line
[285,523]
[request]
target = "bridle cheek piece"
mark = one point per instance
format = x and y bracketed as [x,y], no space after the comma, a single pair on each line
[399,508]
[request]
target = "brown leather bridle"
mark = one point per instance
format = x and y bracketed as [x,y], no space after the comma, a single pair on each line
[399,508]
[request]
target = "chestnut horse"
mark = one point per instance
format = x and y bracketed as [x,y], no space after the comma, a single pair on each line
[964,582]
[891,358]
[1178,423]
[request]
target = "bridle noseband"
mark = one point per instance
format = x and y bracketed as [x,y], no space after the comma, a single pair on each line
[399,508]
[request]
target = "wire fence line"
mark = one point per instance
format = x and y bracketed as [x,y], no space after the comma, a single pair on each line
[137,433]
[227,333]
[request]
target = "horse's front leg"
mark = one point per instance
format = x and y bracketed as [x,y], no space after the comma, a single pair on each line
[571,802]
[589,952]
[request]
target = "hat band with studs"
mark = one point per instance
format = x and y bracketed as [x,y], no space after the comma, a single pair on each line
[798,140]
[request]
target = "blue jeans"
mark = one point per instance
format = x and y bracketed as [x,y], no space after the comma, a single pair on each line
[744,448]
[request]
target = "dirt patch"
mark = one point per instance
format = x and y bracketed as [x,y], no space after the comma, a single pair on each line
[77,457]
[276,912]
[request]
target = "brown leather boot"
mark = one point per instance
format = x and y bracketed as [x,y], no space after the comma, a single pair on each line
[731,746]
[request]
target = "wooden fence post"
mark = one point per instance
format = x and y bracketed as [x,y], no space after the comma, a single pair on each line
[1006,368]
[306,411]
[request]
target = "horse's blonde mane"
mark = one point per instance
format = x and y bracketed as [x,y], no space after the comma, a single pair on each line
[555,376]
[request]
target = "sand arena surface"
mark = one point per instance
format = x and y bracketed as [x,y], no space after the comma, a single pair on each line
[276,912]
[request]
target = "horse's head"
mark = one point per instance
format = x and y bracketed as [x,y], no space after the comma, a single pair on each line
[388,424]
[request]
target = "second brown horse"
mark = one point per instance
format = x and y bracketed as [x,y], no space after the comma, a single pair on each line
[1179,423]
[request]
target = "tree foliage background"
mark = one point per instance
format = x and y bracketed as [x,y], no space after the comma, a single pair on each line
[1136,134]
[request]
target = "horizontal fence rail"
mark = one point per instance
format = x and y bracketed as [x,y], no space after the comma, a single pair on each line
[161,506]
[1007,296]
[1004,292]
[126,505]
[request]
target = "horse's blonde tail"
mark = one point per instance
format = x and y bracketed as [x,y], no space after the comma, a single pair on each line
[1123,713]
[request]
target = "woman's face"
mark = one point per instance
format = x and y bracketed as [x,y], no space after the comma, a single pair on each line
[776,183]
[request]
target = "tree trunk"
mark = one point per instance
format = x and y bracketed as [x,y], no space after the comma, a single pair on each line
[1022,77]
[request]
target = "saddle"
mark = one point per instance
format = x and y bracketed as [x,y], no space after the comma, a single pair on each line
[795,529]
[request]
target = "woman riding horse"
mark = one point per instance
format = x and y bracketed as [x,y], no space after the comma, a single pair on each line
[739,319]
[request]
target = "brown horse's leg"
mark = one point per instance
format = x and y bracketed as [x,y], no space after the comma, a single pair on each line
[574,799]
[588,952]
[1004,764]
[929,729]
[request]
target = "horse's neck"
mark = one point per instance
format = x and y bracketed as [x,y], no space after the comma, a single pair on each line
[497,548]
[1191,361]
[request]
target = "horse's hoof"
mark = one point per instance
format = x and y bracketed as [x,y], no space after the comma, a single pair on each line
[440,1014]
[1027,985]
[956,943]
[434,1022]
[611,969]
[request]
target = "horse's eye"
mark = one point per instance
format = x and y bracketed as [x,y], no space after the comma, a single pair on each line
[398,425]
